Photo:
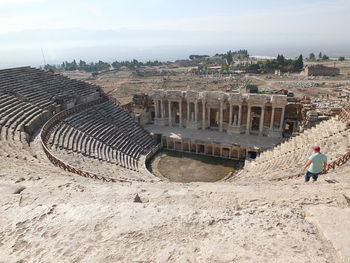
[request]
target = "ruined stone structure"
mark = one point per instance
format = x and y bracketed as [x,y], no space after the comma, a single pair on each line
[319,70]
[227,125]
[232,113]
[142,108]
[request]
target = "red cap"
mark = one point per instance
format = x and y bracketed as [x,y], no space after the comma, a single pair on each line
[316,148]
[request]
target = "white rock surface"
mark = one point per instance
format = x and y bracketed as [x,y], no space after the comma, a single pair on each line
[334,224]
[61,218]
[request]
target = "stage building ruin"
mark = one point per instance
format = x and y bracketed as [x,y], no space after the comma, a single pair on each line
[226,112]
[224,122]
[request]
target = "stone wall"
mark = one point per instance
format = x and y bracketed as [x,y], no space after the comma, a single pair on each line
[208,148]
[320,70]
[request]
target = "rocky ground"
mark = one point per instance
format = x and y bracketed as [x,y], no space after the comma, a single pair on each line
[48,215]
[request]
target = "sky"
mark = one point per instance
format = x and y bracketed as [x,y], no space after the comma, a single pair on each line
[168,30]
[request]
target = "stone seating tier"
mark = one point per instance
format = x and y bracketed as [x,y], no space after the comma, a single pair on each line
[103,139]
[104,132]
[288,158]
[40,87]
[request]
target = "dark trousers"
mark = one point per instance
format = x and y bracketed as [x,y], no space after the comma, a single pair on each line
[309,175]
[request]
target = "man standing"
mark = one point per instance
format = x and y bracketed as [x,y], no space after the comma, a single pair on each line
[316,164]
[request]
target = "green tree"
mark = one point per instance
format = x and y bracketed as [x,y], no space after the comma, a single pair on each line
[312,57]
[253,68]
[325,57]
[299,64]
[229,57]
[50,67]
[224,68]
[198,56]
[320,56]
[341,58]
[82,64]
[281,60]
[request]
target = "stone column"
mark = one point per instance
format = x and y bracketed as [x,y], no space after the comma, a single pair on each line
[282,118]
[221,116]
[248,119]
[208,121]
[272,118]
[162,109]
[261,125]
[203,117]
[156,108]
[180,113]
[159,107]
[188,111]
[170,117]
[239,115]
[196,112]
[230,118]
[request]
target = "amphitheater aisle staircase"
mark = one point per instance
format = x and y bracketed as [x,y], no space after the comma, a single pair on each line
[288,158]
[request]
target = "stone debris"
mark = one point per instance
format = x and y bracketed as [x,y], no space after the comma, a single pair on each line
[137,199]
[19,190]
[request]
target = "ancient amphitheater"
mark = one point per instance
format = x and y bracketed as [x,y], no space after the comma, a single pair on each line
[75,187]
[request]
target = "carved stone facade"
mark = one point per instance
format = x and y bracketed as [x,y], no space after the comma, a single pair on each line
[257,114]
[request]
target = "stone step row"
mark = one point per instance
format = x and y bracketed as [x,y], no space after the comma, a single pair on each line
[71,139]
[288,158]
[103,132]
[38,86]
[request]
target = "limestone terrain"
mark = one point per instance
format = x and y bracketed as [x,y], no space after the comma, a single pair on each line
[48,214]
[51,216]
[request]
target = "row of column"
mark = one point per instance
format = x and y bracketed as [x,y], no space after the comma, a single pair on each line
[160,114]
[262,117]
[236,122]
[189,117]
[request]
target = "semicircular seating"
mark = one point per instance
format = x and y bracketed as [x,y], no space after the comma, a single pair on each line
[103,138]
[29,97]
[104,132]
